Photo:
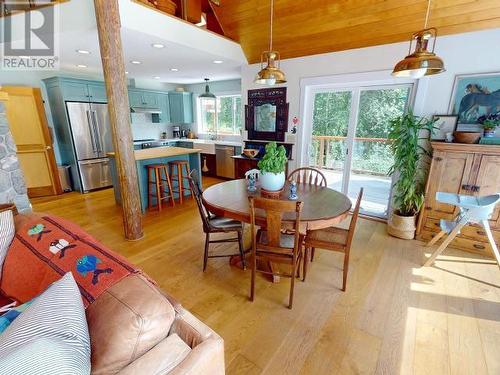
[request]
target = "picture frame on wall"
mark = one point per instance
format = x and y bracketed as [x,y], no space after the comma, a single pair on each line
[473,96]
[443,125]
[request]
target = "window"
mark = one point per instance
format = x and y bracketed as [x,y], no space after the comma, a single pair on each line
[222,115]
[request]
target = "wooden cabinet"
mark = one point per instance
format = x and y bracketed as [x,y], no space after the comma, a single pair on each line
[181,107]
[461,169]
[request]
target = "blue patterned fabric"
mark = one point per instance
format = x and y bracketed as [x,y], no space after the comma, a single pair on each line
[9,316]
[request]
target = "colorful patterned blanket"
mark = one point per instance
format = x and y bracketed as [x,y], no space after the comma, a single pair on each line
[47,247]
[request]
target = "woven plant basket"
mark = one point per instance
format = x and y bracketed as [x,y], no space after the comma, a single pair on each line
[402,226]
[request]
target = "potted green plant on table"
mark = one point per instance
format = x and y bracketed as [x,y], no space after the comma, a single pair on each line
[408,133]
[272,167]
[489,124]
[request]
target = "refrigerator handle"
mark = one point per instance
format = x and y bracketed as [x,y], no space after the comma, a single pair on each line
[91,130]
[97,131]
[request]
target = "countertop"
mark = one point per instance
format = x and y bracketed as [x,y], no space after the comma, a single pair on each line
[160,152]
[202,141]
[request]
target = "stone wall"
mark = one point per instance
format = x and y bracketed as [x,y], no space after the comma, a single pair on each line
[12,185]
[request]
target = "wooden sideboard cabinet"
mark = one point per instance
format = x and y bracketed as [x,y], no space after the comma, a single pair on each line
[461,169]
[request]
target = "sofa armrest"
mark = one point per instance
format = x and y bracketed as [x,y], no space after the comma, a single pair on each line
[207,354]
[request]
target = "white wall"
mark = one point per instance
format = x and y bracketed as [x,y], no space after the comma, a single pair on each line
[476,52]
[229,87]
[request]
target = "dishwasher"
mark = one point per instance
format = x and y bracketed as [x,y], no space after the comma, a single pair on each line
[224,161]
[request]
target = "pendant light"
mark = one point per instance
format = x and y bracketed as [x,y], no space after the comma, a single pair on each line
[207,94]
[271,73]
[421,62]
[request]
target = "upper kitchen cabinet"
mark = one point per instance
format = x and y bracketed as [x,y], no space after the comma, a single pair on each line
[143,99]
[163,104]
[97,92]
[79,90]
[181,107]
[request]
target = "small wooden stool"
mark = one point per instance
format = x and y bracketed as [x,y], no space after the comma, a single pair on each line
[179,165]
[160,183]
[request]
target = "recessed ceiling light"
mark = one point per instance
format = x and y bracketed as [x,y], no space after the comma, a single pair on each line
[218,61]
[136,62]
[158,45]
[126,72]
[156,77]
[81,65]
[83,51]
[174,69]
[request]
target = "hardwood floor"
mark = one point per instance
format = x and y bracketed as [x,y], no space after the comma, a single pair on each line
[394,318]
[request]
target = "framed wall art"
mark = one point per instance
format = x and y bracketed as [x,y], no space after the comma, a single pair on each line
[473,96]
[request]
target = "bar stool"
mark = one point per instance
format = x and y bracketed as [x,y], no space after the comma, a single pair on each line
[160,183]
[179,166]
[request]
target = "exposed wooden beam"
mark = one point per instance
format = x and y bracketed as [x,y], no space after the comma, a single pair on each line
[108,27]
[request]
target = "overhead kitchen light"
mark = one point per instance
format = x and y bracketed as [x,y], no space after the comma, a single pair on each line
[81,65]
[83,51]
[126,72]
[156,77]
[158,45]
[271,73]
[207,94]
[218,61]
[135,62]
[421,62]
[174,69]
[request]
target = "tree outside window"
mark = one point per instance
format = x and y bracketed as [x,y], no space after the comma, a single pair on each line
[221,115]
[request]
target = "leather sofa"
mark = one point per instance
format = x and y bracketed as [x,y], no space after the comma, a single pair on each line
[135,328]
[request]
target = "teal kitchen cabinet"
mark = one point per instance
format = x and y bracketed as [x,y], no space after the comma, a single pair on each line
[80,90]
[181,107]
[97,92]
[164,106]
[144,99]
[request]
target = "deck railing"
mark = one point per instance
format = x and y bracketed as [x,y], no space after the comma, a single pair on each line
[370,156]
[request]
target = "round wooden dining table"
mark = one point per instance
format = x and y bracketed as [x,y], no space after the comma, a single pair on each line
[323,207]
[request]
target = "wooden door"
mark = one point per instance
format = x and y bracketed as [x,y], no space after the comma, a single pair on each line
[488,182]
[449,173]
[28,124]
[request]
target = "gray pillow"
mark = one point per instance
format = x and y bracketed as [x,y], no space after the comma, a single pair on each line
[50,337]
[7,232]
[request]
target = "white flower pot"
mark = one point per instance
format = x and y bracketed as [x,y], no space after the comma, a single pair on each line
[402,226]
[272,181]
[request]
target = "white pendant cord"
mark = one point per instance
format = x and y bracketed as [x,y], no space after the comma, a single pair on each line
[427,14]
[271,37]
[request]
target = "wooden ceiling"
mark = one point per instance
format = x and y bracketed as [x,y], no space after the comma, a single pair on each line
[308,27]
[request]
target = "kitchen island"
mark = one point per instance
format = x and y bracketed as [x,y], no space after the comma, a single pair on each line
[157,155]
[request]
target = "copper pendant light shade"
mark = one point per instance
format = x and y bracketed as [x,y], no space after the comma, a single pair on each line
[421,62]
[270,72]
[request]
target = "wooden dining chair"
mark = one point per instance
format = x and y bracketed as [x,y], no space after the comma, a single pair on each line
[215,224]
[269,244]
[333,239]
[308,175]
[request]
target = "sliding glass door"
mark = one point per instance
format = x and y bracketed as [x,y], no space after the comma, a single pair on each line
[349,140]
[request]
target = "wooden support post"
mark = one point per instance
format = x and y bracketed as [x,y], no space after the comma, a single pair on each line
[108,27]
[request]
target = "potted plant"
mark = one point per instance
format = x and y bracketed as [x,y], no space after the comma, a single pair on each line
[272,167]
[489,124]
[407,132]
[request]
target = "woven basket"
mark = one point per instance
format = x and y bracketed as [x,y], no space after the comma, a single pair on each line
[402,226]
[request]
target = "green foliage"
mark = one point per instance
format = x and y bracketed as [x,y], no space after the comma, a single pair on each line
[274,160]
[409,155]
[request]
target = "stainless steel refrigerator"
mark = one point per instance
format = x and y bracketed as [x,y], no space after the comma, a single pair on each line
[91,134]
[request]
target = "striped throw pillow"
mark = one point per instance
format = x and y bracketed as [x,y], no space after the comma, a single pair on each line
[50,337]
[7,232]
